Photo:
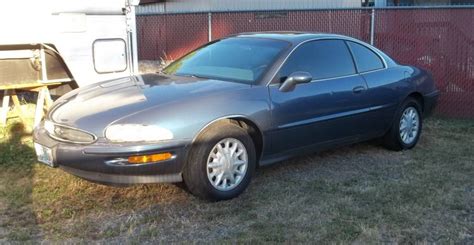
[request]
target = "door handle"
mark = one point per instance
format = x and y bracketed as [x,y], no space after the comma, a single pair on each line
[358,89]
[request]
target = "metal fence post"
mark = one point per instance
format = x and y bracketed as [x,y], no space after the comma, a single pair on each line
[209,25]
[372,27]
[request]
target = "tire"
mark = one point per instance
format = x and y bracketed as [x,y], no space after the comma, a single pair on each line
[394,139]
[202,179]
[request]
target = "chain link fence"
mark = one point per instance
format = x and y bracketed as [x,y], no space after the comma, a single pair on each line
[167,37]
[440,40]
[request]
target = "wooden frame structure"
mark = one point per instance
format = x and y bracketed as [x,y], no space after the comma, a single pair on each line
[43,102]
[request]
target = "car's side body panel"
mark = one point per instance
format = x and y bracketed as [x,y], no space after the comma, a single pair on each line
[311,113]
[386,90]
[326,113]
[390,87]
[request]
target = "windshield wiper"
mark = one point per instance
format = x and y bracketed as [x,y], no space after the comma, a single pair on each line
[190,75]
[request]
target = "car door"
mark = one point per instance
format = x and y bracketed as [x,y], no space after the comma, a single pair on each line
[328,109]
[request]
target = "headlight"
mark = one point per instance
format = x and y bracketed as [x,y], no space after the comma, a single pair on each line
[68,134]
[137,133]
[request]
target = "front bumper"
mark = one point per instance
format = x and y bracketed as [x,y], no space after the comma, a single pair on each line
[96,162]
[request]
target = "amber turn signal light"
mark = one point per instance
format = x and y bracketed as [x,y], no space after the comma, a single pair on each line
[150,158]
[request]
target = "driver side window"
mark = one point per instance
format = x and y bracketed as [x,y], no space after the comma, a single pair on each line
[322,59]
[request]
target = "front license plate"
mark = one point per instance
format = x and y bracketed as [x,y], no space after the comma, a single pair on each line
[44,154]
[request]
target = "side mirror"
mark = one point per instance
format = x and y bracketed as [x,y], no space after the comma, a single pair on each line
[295,78]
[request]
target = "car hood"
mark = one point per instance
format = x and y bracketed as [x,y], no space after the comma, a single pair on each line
[94,107]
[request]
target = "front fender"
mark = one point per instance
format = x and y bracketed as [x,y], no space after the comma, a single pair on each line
[187,117]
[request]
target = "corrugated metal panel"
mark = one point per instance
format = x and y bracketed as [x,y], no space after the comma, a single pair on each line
[151,9]
[229,5]
[187,6]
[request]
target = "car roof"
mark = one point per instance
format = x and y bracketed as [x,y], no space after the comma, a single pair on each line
[290,36]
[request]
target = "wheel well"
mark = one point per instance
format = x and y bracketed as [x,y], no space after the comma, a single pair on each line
[253,130]
[417,96]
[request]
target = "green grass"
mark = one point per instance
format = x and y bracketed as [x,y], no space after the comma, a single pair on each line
[361,193]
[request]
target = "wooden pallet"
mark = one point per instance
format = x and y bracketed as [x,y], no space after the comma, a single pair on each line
[10,92]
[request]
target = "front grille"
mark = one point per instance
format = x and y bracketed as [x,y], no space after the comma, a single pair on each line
[68,134]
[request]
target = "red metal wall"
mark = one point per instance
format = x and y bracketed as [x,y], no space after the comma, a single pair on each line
[440,40]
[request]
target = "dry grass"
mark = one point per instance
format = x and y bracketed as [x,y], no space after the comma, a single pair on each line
[361,193]
[152,66]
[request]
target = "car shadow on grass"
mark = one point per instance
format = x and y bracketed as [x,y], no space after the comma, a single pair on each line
[17,218]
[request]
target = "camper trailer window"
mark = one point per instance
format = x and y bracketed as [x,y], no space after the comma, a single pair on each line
[110,55]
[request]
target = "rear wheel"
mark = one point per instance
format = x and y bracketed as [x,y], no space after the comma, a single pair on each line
[221,162]
[406,128]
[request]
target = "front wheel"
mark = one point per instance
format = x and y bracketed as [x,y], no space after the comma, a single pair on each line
[221,162]
[406,128]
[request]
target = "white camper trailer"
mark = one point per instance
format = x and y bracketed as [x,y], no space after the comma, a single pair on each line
[70,42]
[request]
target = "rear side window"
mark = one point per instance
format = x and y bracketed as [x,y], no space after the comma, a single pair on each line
[366,59]
[323,59]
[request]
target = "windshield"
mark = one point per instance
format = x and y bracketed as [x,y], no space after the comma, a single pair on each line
[237,59]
